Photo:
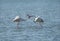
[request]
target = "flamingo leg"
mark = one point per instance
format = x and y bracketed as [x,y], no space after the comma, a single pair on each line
[17,25]
[40,25]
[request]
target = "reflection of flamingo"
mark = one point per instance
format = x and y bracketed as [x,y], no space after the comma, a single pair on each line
[17,19]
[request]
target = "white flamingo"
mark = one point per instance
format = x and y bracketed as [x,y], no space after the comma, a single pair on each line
[36,19]
[17,19]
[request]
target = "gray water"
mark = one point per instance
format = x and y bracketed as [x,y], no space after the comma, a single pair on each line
[48,10]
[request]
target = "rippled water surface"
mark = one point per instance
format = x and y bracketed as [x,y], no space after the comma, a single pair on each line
[48,10]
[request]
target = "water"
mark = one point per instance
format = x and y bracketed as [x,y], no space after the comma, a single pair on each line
[48,10]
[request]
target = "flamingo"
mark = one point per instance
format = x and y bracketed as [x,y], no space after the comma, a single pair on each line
[17,19]
[39,21]
[36,19]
